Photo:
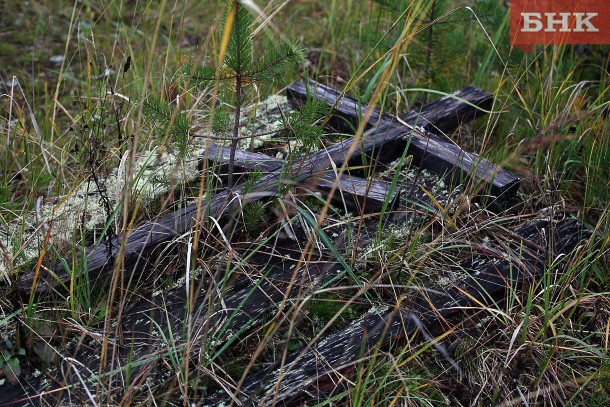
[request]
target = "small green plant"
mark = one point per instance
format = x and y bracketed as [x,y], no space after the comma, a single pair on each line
[236,73]
[298,125]
[174,124]
[237,68]
[255,219]
[9,361]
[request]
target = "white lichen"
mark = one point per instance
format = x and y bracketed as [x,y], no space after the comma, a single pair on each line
[154,173]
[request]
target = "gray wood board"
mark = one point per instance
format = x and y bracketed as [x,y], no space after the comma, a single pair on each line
[384,143]
[434,153]
[347,112]
[136,327]
[358,195]
[489,273]
[306,372]
[221,314]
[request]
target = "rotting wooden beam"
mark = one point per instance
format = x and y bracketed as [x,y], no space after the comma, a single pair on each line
[239,306]
[347,112]
[319,370]
[140,345]
[258,299]
[379,144]
[434,153]
[308,372]
[359,195]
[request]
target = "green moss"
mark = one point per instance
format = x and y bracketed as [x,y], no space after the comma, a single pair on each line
[325,307]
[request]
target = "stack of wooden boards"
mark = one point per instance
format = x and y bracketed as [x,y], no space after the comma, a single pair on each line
[140,352]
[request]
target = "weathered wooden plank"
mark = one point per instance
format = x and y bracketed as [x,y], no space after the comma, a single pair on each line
[434,117]
[346,110]
[433,153]
[141,345]
[239,306]
[305,372]
[245,161]
[383,143]
[359,195]
[487,273]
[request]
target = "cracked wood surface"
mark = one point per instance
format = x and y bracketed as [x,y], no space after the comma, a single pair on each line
[323,369]
[379,144]
[356,194]
[246,303]
[434,153]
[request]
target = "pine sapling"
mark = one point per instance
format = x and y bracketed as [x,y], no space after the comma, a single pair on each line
[237,70]
[240,69]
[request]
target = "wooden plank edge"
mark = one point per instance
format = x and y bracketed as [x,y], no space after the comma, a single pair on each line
[241,304]
[301,374]
[164,228]
[431,152]
[443,157]
[357,194]
[347,112]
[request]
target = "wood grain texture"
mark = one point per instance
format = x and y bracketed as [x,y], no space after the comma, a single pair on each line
[433,153]
[240,304]
[358,195]
[321,371]
[221,313]
[346,110]
[380,144]
[250,300]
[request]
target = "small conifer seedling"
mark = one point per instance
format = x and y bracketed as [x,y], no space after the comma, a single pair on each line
[239,68]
